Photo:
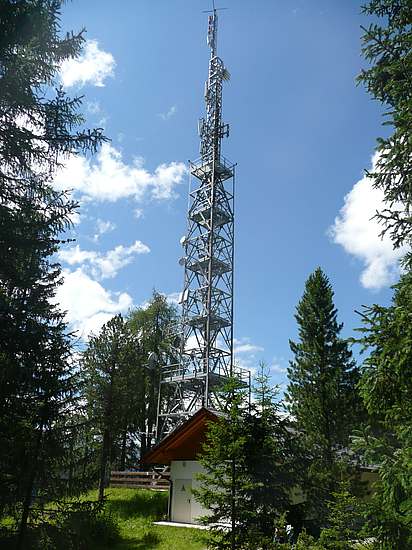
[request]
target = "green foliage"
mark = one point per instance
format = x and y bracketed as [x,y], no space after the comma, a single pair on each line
[344,520]
[387,47]
[121,370]
[249,469]
[151,328]
[37,130]
[386,387]
[108,366]
[321,390]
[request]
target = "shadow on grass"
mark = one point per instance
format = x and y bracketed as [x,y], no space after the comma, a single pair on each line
[146,504]
[148,541]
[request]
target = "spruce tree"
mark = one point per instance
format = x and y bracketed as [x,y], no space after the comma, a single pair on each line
[386,388]
[250,468]
[321,392]
[388,78]
[37,131]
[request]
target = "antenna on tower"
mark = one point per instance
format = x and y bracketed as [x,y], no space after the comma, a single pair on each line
[212,28]
[203,358]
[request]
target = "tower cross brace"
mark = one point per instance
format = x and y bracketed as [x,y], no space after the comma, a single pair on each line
[204,333]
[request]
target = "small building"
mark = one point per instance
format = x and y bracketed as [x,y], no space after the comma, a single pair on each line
[180,450]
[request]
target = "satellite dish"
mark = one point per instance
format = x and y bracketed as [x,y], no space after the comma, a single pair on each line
[182,261]
[183,240]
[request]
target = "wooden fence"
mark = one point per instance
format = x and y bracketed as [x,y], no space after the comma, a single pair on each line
[141,480]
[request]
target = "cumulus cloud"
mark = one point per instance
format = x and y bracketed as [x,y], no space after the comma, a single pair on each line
[87,303]
[103,266]
[92,67]
[359,234]
[109,178]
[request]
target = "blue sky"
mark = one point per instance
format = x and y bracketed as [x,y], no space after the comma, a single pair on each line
[302,133]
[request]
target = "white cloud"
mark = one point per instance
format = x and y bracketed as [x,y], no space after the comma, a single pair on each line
[244,346]
[88,304]
[173,298]
[138,213]
[92,67]
[276,368]
[108,178]
[245,354]
[103,227]
[171,112]
[356,231]
[103,266]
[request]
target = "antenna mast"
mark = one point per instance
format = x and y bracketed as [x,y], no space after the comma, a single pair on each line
[205,332]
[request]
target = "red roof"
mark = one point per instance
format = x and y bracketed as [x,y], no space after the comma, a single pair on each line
[185,442]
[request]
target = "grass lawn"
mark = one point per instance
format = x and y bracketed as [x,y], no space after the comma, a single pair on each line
[135,510]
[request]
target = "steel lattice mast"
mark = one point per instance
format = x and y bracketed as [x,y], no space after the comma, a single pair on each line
[205,333]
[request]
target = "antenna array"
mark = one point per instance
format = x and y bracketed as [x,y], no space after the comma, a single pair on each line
[205,330]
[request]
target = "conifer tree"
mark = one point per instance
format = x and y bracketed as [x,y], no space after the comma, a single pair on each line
[151,328]
[388,78]
[321,390]
[386,388]
[37,131]
[107,364]
[249,469]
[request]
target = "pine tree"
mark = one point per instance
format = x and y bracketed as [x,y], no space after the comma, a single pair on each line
[37,130]
[321,391]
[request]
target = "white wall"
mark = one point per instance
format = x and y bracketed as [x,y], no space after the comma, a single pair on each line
[182,472]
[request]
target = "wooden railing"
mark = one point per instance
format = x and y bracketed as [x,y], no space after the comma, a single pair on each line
[141,480]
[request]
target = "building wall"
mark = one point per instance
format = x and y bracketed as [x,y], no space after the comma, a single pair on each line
[184,507]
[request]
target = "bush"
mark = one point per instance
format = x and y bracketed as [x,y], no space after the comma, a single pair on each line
[83,524]
[72,526]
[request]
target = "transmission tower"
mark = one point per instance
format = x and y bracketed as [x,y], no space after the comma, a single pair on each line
[205,331]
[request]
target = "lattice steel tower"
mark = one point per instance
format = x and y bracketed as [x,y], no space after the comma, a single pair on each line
[205,333]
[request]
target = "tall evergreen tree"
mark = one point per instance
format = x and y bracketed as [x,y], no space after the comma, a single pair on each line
[387,46]
[386,373]
[37,130]
[321,391]
[386,387]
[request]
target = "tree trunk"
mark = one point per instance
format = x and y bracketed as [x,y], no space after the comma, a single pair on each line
[103,463]
[29,490]
[123,452]
[105,455]
[233,507]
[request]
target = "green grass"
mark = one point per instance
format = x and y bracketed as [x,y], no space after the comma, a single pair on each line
[135,510]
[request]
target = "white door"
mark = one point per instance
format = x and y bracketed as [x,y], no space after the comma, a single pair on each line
[182,495]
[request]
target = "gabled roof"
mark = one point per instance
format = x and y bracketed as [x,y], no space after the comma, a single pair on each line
[185,442]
